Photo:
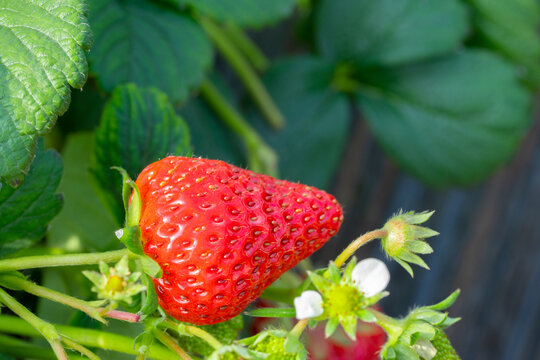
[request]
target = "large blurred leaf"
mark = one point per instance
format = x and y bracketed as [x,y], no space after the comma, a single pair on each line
[141,42]
[138,126]
[42,53]
[389,32]
[83,224]
[209,136]
[26,211]
[243,12]
[450,121]
[311,144]
[511,27]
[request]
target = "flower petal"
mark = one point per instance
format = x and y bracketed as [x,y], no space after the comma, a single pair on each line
[371,276]
[308,305]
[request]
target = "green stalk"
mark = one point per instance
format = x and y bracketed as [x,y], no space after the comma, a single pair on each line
[261,157]
[22,349]
[48,331]
[18,283]
[40,261]
[192,330]
[81,349]
[244,43]
[356,244]
[297,330]
[87,337]
[171,344]
[244,71]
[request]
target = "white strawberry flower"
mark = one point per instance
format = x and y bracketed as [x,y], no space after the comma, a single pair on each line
[308,305]
[370,276]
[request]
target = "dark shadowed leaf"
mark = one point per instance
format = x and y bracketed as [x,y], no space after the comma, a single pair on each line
[311,145]
[511,27]
[389,32]
[243,12]
[141,42]
[26,211]
[138,127]
[42,54]
[451,121]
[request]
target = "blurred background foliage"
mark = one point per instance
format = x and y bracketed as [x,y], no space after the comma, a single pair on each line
[388,104]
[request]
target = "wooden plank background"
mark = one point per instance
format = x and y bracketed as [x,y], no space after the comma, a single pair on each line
[489,245]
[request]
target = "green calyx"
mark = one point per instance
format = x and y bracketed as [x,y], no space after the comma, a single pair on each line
[405,238]
[418,336]
[115,284]
[276,345]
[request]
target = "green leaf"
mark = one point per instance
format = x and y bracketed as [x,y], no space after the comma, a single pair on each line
[311,144]
[510,27]
[243,12]
[26,211]
[150,266]
[144,43]
[452,121]
[272,312]
[387,32]
[131,238]
[138,127]
[83,224]
[43,54]
[210,137]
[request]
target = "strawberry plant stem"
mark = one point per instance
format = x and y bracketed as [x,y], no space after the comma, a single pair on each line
[48,331]
[23,349]
[87,337]
[81,349]
[244,43]
[184,329]
[356,244]
[297,330]
[122,315]
[246,73]
[393,327]
[261,158]
[171,344]
[19,283]
[39,261]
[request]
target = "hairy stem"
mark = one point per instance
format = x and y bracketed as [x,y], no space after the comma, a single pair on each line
[245,72]
[40,261]
[171,344]
[87,337]
[261,158]
[23,349]
[19,283]
[48,331]
[81,349]
[191,330]
[244,43]
[297,330]
[356,244]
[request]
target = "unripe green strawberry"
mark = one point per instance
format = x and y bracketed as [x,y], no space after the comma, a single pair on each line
[225,332]
[277,345]
[445,350]
[222,234]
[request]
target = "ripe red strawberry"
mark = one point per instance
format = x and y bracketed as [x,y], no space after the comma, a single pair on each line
[222,234]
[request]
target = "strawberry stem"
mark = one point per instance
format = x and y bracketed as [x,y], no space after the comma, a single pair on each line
[122,315]
[356,244]
[87,337]
[184,329]
[261,157]
[244,43]
[299,328]
[171,344]
[81,349]
[19,283]
[48,331]
[245,72]
[40,261]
